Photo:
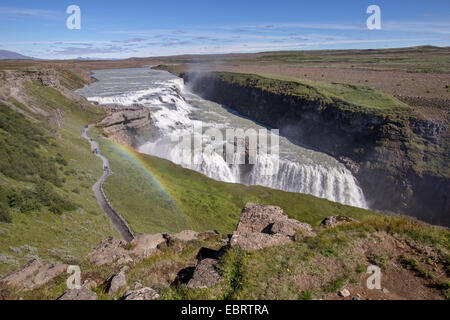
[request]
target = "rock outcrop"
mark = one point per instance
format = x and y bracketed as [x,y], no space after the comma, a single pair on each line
[142,294]
[108,252]
[259,227]
[186,235]
[118,282]
[205,275]
[48,78]
[333,221]
[32,275]
[146,244]
[118,252]
[264,226]
[79,294]
[130,126]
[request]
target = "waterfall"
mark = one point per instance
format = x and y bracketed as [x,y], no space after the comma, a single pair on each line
[176,111]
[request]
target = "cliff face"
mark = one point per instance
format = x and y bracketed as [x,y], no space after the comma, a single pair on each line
[388,154]
[129,126]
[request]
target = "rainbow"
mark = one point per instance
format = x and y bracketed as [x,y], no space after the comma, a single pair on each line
[136,158]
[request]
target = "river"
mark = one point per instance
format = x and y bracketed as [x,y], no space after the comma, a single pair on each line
[176,111]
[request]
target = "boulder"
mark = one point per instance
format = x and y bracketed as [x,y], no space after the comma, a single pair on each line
[118,252]
[108,252]
[186,235]
[205,275]
[259,218]
[264,226]
[49,272]
[257,241]
[117,282]
[79,294]
[90,284]
[208,235]
[22,275]
[33,275]
[143,294]
[289,227]
[146,244]
[333,221]
[344,293]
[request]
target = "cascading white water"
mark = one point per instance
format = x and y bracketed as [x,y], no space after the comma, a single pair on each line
[176,111]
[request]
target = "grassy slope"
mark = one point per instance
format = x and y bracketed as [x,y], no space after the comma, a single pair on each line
[198,202]
[68,236]
[341,95]
[415,266]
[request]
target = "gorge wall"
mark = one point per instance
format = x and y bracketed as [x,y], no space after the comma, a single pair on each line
[388,154]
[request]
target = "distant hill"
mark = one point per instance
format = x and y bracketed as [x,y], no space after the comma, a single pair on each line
[5,54]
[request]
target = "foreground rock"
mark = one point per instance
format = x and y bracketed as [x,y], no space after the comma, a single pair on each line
[118,282]
[205,275]
[333,221]
[344,293]
[108,252]
[146,244]
[265,226]
[186,235]
[33,275]
[79,294]
[116,252]
[143,294]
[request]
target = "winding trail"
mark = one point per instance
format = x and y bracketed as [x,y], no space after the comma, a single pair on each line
[116,219]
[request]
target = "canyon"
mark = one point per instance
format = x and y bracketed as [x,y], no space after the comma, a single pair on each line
[382,150]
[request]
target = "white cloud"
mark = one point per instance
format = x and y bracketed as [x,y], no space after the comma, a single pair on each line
[27,12]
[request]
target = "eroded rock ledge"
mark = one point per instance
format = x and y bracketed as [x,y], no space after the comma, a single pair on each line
[264,226]
[130,126]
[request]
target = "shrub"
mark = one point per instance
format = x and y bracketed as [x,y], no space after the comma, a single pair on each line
[48,197]
[20,141]
[43,195]
[4,213]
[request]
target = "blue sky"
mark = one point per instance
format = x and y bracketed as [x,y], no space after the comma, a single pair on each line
[121,29]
